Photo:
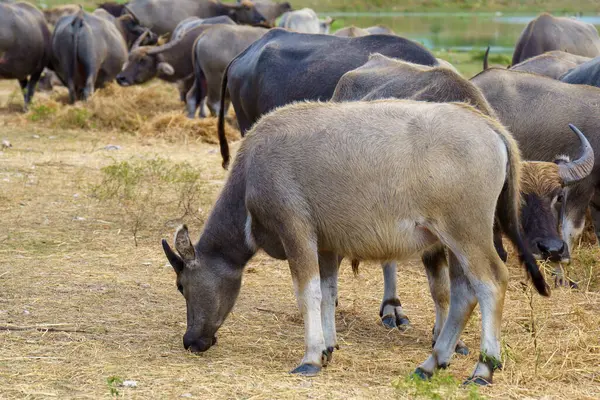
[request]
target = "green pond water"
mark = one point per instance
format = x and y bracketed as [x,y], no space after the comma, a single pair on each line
[452,31]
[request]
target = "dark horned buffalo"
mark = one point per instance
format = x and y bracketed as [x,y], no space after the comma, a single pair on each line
[587,73]
[271,10]
[283,67]
[547,33]
[171,62]
[553,64]
[114,9]
[383,77]
[537,110]
[292,192]
[88,52]
[129,28]
[163,16]
[24,46]
[212,52]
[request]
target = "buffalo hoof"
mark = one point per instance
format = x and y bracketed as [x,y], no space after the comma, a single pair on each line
[421,374]
[306,370]
[461,348]
[396,321]
[477,380]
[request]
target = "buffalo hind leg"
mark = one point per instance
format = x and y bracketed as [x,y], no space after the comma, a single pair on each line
[328,270]
[436,267]
[31,85]
[391,313]
[462,303]
[23,83]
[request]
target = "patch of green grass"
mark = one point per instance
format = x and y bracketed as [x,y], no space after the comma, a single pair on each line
[142,187]
[440,387]
[75,118]
[42,112]
[113,382]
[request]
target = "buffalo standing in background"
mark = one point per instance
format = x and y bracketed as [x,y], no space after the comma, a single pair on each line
[88,52]
[163,16]
[547,33]
[24,46]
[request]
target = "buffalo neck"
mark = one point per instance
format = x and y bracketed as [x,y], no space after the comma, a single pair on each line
[224,9]
[224,233]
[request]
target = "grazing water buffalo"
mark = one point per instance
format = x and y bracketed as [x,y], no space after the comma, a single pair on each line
[553,64]
[283,67]
[171,62]
[213,51]
[380,30]
[305,21]
[163,16]
[192,22]
[547,33]
[271,10]
[351,31]
[293,193]
[537,110]
[587,73]
[24,46]
[88,52]
[383,77]
[114,9]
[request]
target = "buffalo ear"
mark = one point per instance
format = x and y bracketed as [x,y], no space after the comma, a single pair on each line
[165,68]
[175,261]
[183,244]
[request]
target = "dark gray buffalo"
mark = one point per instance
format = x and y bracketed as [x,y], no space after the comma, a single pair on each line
[283,67]
[312,181]
[113,8]
[24,46]
[382,78]
[553,64]
[537,110]
[587,73]
[87,52]
[163,16]
[171,62]
[213,51]
[547,33]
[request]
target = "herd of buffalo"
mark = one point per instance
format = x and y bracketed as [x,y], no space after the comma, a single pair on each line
[358,144]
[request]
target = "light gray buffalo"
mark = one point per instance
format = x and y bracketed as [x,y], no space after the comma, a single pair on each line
[87,52]
[305,20]
[171,62]
[383,77]
[163,16]
[546,33]
[292,192]
[351,31]
[553,64]
[213,51]
[380,30]
[587,73]
[24,46]
[537,110]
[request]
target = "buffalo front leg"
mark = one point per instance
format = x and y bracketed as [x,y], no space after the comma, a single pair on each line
[304,266]
[436,268]
[31,85]
[462,302]
[328,269]
[391,312]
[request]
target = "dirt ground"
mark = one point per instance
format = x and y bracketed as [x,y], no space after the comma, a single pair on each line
[82,309]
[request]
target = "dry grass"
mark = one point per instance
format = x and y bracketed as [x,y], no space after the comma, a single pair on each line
[150,110]
[95,309]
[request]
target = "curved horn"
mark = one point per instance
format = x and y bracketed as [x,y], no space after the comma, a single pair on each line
[171,43]
[175,261]
[140,39]
[485,58]
[135,17]
[574,171]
